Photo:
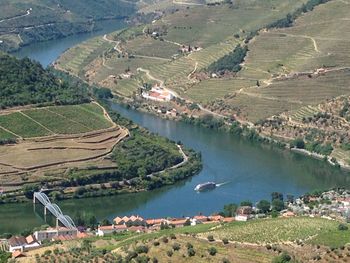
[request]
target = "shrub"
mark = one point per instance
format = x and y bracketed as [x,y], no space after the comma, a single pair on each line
[210,238]
[154,260]
[189,245]
[176,246]
[225,241]
[342,227]
[172,236]
[169,253]
[283,258]
[225,260]
[212,251]
[141,249]
[165,240]
[191,252]
[156,243]
[130,256]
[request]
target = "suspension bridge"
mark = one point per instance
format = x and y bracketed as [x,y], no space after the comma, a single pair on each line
[55,210]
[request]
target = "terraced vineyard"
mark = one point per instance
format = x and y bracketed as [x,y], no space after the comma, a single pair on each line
[284,229]
[53,120]
[210,90]
[304,112]
[76,58]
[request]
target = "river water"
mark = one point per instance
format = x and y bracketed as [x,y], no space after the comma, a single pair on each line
[248,171]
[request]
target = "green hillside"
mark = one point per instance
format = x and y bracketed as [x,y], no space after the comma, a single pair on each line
[24,22]
[23,82]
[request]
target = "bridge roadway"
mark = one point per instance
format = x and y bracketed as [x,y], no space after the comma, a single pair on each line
[55,210]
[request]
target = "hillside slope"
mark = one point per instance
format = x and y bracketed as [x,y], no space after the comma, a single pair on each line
[24,22]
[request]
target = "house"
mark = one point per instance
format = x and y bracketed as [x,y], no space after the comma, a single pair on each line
[178,222]
[132,220]
[241,217]
[201,218]
[50,233]
[158,94]
[288,214]
[243,213]
[137,229]
[157,221]
[244,210]
[17,243]
[216,218]
[106,230]
[20,243]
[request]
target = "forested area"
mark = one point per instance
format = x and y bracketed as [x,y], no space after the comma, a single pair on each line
[23,82]
[231,62]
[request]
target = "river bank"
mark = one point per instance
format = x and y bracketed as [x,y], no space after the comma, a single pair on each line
[219,122]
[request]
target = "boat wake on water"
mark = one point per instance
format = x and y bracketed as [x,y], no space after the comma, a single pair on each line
[208,186]
[221,184]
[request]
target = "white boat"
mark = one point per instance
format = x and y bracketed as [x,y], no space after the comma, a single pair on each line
[205,186]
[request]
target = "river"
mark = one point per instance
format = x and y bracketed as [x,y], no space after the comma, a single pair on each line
[248,170]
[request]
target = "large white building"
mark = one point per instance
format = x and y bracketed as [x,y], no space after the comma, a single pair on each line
[51,233]
[158,94]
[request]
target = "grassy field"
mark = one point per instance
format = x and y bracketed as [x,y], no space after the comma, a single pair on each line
[54,120]
[283,229]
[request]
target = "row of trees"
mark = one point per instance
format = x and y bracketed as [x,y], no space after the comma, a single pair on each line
[275,205]
[290,18]
[230,62]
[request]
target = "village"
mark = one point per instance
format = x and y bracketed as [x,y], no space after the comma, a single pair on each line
[331,205]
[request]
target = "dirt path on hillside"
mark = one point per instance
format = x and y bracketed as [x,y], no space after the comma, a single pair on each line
[28,12]
[308,37]
[186,3]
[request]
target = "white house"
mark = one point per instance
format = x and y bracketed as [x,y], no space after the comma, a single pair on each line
[50,233]
[106,230]
[158,94]
[19,243]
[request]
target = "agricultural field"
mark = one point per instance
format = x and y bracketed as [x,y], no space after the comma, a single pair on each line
[78,57]
[209,90]
[54,120]
[55,137]
[283,229]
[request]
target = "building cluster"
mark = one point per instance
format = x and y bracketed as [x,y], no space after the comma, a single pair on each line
[333,204]
[140,225]
[19,244]
[158,94]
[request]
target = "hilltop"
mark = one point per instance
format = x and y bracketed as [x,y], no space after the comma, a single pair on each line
[25,22]
[54,134]
[277,69]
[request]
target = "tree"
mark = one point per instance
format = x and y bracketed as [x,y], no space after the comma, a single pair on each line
[277,205]
[105,222]
[230,210]
[246,203]
[298,143]
[276,195]
[264,206]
